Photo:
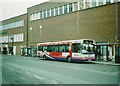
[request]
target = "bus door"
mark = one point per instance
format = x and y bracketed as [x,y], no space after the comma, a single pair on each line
[76,50]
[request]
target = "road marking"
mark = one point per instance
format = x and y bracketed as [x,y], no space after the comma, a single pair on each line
[28,72]
[54,82]
[41,78]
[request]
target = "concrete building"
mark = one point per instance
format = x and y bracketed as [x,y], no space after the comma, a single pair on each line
[79,19]
[13,34]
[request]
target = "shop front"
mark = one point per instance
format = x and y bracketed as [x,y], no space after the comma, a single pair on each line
[106,51]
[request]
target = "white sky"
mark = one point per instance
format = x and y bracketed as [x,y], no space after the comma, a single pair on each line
[12,8]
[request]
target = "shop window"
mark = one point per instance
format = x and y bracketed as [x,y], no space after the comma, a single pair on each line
[94,3]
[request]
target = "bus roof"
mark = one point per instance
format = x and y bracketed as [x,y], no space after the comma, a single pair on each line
[64,42]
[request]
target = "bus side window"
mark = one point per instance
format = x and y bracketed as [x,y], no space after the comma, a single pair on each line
[60,48]
[49,48]
[56,48]
[40,48]
[66,48]
[44,48]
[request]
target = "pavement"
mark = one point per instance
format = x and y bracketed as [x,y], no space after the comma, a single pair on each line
[107,62]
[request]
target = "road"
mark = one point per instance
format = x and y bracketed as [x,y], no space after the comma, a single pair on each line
[32,70]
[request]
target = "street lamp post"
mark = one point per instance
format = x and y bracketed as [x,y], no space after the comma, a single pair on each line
[117,54]
[116,12]
[31,32]
[12,44]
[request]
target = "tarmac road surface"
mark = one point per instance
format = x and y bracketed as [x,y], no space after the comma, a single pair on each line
[32,70]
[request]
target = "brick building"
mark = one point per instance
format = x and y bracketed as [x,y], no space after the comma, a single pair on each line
[80,19]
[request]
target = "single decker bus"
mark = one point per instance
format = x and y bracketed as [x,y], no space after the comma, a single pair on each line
[69,50]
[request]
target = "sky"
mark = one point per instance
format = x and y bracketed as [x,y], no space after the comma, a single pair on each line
[12,8]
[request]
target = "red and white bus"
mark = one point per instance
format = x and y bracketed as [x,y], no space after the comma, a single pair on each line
[70,50]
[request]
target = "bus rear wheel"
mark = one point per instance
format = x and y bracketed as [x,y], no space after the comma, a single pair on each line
[69,59]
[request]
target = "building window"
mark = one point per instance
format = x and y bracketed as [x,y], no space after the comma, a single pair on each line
[115,1]
[100,2]
[0,39]
[18,23]
[48,13]
[81,4]
[1,27]
[75,6]
[52,12]
[41,15]
[107,1]
[32,17]
[15,38]
[22,22]
[87,4]
[37,16]
[61,10]
[4,39]
[65,9]
[44,13]
[56,11]
[94,3]
[22,37]
[70,8]
[15,24]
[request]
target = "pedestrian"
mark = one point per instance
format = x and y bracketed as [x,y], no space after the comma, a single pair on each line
[95,51]
[99,55]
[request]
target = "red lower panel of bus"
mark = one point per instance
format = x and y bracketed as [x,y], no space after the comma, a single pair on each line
[56,54]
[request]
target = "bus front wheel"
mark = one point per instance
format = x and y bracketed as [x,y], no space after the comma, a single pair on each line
[44,57]
[69,59]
